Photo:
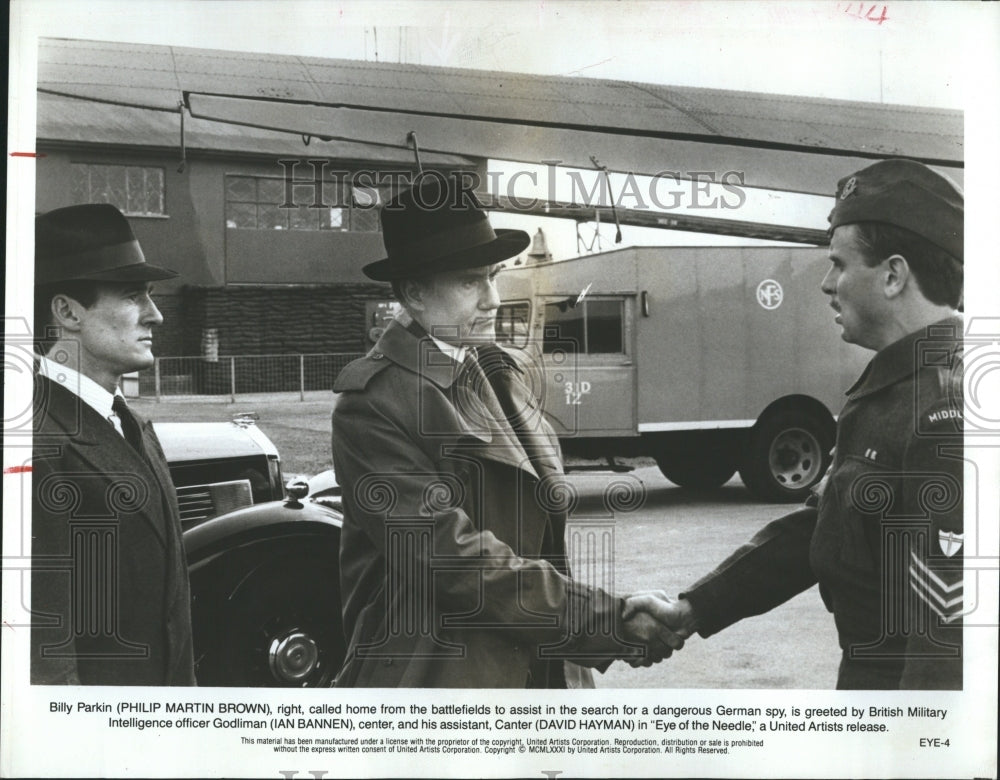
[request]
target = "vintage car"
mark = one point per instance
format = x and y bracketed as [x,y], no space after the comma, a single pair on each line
[262,555]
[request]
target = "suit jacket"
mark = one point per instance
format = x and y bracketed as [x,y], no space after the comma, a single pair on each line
[452,560]
[110,596]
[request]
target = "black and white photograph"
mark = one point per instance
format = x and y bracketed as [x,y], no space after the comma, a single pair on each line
[501,389]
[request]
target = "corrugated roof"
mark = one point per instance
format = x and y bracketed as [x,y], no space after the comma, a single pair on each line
[537,115]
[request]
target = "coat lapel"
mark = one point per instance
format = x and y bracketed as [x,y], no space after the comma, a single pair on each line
[95,441]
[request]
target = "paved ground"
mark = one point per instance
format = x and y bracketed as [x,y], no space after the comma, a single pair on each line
[670,540]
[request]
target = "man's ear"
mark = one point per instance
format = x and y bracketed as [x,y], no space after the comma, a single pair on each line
[897,275]
[67,312]
[412,292]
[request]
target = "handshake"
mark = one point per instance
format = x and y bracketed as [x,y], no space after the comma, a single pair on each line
[657,622]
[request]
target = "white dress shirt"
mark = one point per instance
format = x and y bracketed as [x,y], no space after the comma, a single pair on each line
[91,393]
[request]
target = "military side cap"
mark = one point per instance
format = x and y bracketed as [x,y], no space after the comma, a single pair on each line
[438,225]
[906,194]
[91,241]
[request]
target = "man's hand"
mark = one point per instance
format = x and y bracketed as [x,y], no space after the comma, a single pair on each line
[643,626]
[665,621]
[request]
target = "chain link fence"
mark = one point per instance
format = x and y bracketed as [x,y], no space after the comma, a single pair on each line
[233,375]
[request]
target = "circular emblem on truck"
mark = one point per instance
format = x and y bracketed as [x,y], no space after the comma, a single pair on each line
[769,294]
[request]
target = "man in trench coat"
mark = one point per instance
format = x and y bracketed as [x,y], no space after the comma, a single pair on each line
[453,566]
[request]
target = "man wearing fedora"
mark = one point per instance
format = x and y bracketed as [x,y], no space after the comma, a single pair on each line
[453,566]
[109,589]
[883,537]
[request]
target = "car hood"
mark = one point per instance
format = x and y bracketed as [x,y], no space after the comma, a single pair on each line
[187,441]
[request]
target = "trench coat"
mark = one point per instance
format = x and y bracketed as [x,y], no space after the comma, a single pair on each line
[884,536]
[110,596]
[452,560]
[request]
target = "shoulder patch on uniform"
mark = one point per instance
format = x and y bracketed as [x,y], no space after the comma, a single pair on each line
[942,414]
[358,373]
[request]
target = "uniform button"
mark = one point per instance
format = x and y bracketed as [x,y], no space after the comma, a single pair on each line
[377,356]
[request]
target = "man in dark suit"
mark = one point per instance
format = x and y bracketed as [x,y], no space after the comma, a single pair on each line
[453,570]
[109,589]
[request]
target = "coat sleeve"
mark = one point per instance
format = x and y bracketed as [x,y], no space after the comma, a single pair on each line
[763,573]
[389,478]
[51,586]
[933,492]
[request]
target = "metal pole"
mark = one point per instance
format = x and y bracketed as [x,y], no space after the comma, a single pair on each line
[302,377]
[232,379]
[156,378]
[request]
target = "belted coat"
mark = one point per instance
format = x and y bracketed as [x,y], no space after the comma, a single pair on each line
[109,588]
[452,561]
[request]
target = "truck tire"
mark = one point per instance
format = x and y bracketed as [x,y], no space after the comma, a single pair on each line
[697,471]
[788,452]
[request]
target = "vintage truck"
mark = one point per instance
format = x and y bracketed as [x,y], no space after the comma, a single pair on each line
[708,359]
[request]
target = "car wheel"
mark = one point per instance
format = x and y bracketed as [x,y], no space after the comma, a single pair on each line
[267,614]
[787,454]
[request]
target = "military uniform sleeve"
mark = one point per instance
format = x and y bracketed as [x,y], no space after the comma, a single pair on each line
[763,573]
[933,491]
[388,477]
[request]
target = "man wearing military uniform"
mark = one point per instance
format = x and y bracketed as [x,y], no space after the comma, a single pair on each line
[883,535]
[453,566]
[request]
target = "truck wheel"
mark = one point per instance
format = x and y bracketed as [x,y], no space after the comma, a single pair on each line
[697,471]
[787,454]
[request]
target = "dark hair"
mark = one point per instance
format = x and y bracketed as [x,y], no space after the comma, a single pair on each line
[939,276]
[84,291]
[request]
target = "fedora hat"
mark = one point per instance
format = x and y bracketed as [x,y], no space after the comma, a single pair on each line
[436,226]
[91,241]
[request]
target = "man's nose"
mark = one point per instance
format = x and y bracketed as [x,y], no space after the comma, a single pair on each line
[491,296]
[827,285]
[151,315]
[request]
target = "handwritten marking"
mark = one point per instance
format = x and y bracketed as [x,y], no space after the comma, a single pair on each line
[28,154]
[17,470]
[860,12]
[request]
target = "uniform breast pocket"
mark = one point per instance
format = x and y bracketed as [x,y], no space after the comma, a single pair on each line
[859,496]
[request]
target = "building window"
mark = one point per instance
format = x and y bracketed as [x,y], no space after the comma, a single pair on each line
[593,326]
[258,203]
[136,190]
[512,323]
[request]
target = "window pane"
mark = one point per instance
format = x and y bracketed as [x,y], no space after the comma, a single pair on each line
[512,324]
[331,219]
[241,188]
[135,190]
[80,184]
[271,218]
[271,191]
[303,218]
[364,220]
[604,327]
[563,326]
[100,191]
[154,191]
[241,215]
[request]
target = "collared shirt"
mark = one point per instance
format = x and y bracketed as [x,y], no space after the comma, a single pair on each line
[91,393]
[455,353]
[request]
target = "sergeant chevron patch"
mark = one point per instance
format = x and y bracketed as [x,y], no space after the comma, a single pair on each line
[944,598]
